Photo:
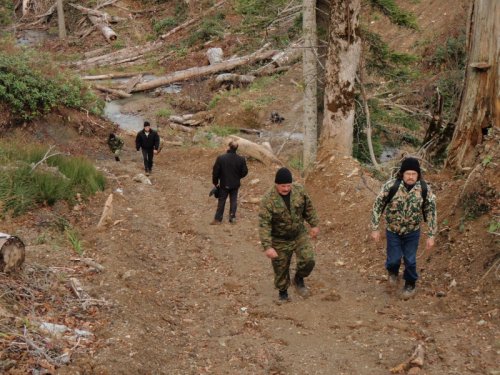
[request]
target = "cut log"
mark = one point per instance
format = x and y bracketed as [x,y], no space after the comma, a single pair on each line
[111,76]
[107,31]
[234,78]
[107,212]
[12,253]
[254,150]
[197,119]
[132,82]
[203,71]
[181,128]
[119,93]
[215,55]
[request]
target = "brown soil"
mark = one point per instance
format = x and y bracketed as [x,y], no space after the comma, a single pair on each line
[185,297]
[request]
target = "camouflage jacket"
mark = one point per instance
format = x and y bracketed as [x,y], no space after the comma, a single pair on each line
[404,213]
[276,221]
[115,144]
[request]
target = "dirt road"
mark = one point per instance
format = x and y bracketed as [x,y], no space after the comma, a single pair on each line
[190,298]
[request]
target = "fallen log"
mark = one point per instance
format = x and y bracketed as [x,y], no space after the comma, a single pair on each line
[12,252]
[254,150]
[190,73]
[132,82]
[250,131]
[99,20]
[111,76]
[234,78]
[119,93]
[181,128]
[197,119]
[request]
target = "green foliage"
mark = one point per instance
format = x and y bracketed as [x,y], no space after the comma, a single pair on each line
[6,12]
[22,188]
[494,225]
[31,88]
[475,205]
[258,14]
[386,62]
[396,14]
[223,131]
[297,163]
[118,44]
[217,97]
[452,55]
[164,112]
[74,240]
[210,27]
[164,25]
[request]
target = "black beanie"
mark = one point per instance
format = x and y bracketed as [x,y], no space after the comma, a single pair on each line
[410,164]
[146,123]
[283,176]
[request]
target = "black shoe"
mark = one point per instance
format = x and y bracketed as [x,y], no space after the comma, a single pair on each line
[283,296]
[409,290]
[392,278]
[298,282]
[232,220]
[117,158]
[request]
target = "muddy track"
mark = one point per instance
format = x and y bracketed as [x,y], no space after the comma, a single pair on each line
[190,298]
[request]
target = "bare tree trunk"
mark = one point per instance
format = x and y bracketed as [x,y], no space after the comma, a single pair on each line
[310,73]
[344,52]
[60,19]
[480,102]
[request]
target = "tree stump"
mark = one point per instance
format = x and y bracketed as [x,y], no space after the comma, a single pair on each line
[12,253]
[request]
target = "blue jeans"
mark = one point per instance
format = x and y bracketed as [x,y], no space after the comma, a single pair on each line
[403,246]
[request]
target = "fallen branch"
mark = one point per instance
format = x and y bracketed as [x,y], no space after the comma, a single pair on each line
[190,73]
[119,93]
[111,76]
[91,263]
[107,212]
[45,157]
[77,288]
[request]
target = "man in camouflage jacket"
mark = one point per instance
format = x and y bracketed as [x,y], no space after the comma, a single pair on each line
[403,216]
[282,232]
[115,144]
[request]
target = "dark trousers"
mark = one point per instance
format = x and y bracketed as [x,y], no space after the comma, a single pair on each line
[233,202]
[403,246]
[147,155]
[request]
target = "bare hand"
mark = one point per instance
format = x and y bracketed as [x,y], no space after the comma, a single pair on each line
[375,235]
[429,244]
[314,232]
[271,253]
[155,152]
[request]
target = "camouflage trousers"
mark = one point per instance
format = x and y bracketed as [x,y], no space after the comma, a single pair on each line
[304,257]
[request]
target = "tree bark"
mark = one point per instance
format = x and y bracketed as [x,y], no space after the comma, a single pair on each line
[344,50]
[310,74]
[204,70]
[480,101]
[12,253]
[215,55]
[60,20]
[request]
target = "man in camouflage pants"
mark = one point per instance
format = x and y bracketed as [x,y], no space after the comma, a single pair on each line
[115,144]
[411,203]
[282,232]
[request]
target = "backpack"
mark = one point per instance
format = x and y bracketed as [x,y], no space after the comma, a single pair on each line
[393,190]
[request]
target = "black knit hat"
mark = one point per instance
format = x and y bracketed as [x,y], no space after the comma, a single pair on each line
[283,176]
[410,164]
[146,123]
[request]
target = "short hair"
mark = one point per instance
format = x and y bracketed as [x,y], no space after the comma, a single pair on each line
[146,123]
[233,145]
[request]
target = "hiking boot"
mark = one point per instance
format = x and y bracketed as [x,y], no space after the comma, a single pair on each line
[409,290]
[215,222]
[283,297]
[232,220]
[298,282]
[392,278]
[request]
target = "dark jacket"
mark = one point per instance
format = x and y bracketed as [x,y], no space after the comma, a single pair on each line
[228,169]
[147,142]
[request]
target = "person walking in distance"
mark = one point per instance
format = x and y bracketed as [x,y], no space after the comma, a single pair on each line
[115,144]
[408,201]
[282,232]
[149,141]
[228,170]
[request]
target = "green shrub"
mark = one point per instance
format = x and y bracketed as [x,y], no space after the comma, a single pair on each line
[6,12]
[22,188]
[223,131]
[164,25]
[210,27]
[258,13]
[395,14]
[164,112]
[451,55]
[32,86]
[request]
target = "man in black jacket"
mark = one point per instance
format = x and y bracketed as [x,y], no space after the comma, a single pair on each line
[228,169]
[149,141]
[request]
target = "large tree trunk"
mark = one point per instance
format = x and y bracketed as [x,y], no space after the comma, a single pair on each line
[344,52]
[310,73]
[12,253]
[480,102]
[60,19]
